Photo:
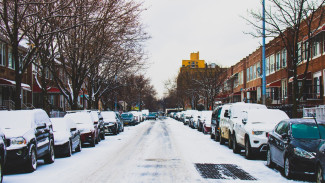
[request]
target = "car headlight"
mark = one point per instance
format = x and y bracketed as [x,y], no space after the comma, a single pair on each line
[18,141]
[257,132]
[303,153]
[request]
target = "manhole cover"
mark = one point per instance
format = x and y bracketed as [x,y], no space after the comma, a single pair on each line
[223,171]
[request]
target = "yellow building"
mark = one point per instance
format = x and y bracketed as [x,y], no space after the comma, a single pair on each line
[194,61]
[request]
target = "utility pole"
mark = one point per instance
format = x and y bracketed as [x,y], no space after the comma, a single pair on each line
[263,59]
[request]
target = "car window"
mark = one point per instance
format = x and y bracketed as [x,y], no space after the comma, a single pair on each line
[308,131]
[282,128]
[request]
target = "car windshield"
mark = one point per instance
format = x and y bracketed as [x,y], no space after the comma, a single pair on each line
[59,124]
[15,120]
[152,114]
[308,131]
[126,115]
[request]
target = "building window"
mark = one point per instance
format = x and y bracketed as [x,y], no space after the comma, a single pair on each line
[254,71]
[2,54]
[251,72]
[305,50]
[284,88]
[284,58]
[267,66]
[247,72]
[272,64]
[11,63]
[277,61]
[315,48]
[258,69]
[47,73]
[299,51]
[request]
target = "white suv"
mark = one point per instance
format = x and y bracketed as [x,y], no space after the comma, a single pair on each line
[251,133]
[233,116]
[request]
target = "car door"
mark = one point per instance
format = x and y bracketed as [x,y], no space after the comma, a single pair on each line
[42,132]
[74,134]
[277,143]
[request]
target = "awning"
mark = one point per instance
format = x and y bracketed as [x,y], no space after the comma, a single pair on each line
[274,84]
[301,77]
[315,33]
[37,89]
[7,82]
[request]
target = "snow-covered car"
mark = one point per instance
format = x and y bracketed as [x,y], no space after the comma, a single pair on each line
[152,115]
[215,121]
[88,130]
[251,133]
[128,119]
[112,123]
[66,136]
[194,119]
[137,116]
[98,120]
[233,116]
[188,115]
[205,119]
[30,137]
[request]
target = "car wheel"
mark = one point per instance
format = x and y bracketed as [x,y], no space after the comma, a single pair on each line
[49,158]
[229,141]
[212,136]
[269,161]
[102,135]
[287,168]
[235,147]
[221,140]
[320,178]
[216,136]
[78,149]
[248,149]
[1,170]
[69,150]
[97,139]
[31,163]
[93,142]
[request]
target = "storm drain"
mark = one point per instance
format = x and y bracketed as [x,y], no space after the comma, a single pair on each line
[223,171]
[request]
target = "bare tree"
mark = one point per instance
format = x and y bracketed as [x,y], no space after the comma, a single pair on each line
[291,21]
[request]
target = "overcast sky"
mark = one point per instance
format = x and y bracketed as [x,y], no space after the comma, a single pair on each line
[180,27]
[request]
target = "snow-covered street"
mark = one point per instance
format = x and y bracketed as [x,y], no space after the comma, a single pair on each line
[153,151]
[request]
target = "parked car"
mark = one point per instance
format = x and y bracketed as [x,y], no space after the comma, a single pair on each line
[152,115]
[88,130]
[187,116]
[137,116]
[233,116]
[66,136]
[112,122]
[320,162]
[205,119]
[128,119]
[251,133]
[98,120]
[223,119]
[215,120]
[292,145]
[29,136]
[194,119]
[3,154]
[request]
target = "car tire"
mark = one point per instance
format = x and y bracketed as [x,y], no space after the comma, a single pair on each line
[235,146]
[1,169]
[319,175]
[221,140]
[31,163]
[93,142]
[79,147]
[269,161]
[287,168]
[97,139]
[69,150]
[102,136]
[212,136]
[50,157]
[229,141]
[216,136]
[248,149]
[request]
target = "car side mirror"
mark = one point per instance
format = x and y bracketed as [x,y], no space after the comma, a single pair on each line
[226,115]
[41,126]
[244,121]
[73,129]
[285,136]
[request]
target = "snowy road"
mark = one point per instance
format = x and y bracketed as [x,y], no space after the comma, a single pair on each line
[153,151]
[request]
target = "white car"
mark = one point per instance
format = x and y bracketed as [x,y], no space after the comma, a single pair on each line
[233,116]
[252,132]
[66,136]
[188,115]
[111,122]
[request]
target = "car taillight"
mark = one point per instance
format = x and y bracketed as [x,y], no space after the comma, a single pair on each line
[267,134]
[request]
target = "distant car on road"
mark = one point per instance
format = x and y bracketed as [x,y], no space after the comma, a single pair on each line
[66,136]
[152,115]
[112,122]
[128,119]
[29,136]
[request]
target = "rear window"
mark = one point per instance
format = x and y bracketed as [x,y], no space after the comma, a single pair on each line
[308,131]
[126,115]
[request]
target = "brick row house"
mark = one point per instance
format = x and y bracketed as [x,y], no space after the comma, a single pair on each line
[31,87]
[245,77]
